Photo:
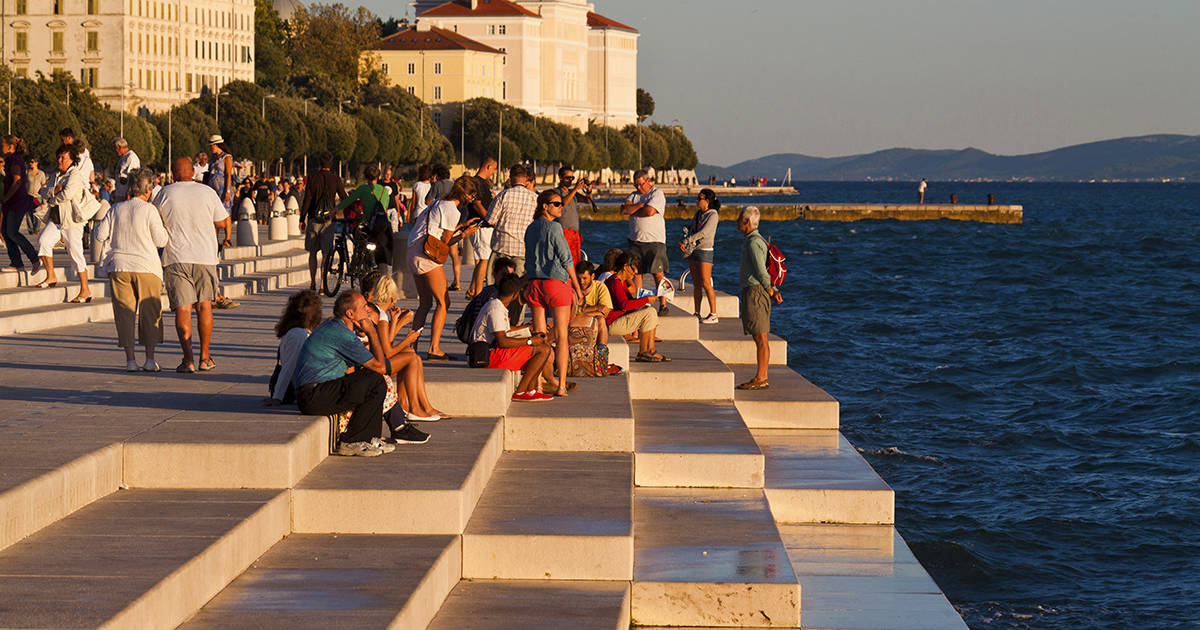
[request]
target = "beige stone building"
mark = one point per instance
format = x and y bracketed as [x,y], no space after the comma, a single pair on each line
[132,53]
[561,59]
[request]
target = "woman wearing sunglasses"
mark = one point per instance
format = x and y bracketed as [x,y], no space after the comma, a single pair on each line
[697,246]
[553,285]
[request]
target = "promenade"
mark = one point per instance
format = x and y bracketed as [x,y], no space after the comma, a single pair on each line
[661,497]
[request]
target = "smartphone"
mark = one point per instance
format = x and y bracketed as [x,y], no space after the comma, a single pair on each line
[420,330]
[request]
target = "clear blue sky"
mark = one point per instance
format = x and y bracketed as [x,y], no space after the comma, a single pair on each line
[754,77]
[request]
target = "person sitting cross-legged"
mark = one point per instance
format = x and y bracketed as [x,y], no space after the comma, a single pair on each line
[630,315]
[529,355]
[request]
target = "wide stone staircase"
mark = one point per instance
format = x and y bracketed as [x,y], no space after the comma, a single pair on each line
[660,497]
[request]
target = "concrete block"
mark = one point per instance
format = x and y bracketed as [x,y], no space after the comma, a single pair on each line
[462,391]
[523,604]
[730,345]
[792,402]
[694,444]
[692,374]
[727,305]
[293,225]
[710,558]
[561,516]
[600,418]
[247,233]
[818,477]
[324,581]
[234,451]
[678,325]
[428,488]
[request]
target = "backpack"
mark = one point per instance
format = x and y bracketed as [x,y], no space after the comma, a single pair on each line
[776,264]
[466,322]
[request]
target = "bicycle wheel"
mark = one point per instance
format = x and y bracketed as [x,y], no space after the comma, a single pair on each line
[335,268]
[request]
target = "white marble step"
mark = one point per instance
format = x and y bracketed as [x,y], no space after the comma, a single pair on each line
[525,604]
[818,477]
[694,444]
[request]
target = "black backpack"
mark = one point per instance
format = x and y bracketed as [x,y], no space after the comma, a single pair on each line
[466,322]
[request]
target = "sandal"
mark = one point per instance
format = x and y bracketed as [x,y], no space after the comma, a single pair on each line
[754,385]
[646,357]
[207,364]
[78,300]
[440,357]
[45,285]
[185,368]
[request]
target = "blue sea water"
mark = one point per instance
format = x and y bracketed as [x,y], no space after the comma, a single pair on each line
[1031,392]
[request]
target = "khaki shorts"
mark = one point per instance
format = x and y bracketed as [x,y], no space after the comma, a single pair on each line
[188,283]
[755,310]
[643,319]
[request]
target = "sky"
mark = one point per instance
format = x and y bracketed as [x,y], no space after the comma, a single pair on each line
[749,78]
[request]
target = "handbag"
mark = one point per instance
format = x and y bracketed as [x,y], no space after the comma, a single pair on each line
[84,209]
[435,249]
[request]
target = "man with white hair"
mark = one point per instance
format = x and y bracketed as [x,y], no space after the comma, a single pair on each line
[648,231]
[758,294]
[127,164]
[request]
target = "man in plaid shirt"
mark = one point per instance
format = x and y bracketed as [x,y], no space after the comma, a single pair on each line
[511,212]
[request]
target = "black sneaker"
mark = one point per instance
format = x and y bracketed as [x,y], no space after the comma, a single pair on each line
[663,310]
[408,434]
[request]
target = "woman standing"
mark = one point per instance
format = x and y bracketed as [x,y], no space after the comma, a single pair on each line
[67,218]
[16,204]
[220,170]
[134,231]
[553,285]
[697,245]
[439,220]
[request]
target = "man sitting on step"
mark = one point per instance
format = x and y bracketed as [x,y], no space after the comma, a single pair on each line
[527,354]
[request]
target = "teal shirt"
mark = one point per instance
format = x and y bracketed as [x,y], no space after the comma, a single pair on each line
[547,254]
[754,262]
[329,351]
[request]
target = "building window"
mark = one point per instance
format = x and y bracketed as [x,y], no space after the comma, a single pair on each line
[412,68]
[412,90]
[491,29]
[504,90]
[54,71]
[56,6]
[188,77]
[437,118]
[437,68]
[93,41]
[22,7]
[23,72]
[56,42]
[87,77]
[384,67]
[503,29]
[93,7]
[437,92]
[22,42]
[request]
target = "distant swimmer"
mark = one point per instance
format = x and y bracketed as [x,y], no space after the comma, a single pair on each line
[921,192]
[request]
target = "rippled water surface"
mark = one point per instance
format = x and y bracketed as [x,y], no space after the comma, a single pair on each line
[1030,391]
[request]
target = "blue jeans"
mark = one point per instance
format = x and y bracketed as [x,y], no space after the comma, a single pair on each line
[14,241]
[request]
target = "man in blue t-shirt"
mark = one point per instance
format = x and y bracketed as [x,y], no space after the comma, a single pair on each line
[324,387]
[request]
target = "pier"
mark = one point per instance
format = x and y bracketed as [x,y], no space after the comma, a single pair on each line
[838,212]
[661,497]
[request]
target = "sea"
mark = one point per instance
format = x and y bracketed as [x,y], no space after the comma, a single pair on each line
[1031,392]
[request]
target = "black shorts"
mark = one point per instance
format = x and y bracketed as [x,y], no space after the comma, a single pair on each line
[653,256]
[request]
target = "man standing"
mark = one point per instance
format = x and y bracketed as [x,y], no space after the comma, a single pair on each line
[511,213]
[921,192]
[569,190]
[127,164]
[481,241]
[322,196]
[201,168]
[193,215]
[757,294]
[648,231]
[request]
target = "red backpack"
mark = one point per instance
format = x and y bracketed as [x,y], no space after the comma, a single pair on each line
[776,264]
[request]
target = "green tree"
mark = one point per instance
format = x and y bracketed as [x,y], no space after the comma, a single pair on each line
[327,41]
[645,105]
[682,155]
[654,149]
[366,146]
[270,46]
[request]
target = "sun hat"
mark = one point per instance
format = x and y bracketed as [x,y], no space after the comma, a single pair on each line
[216,139]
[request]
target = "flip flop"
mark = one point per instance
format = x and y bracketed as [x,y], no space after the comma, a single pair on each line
[79,301]
[185,368]
[651,358]
[45,285]
[754,385]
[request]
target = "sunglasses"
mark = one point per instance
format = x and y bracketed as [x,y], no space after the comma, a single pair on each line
[556,204]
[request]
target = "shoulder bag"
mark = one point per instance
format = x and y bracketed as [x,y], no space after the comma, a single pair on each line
[434,248]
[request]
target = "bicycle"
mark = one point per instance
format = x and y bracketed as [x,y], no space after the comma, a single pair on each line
[351,258]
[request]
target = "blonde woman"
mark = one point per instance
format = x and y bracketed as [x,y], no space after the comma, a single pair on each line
[380,291]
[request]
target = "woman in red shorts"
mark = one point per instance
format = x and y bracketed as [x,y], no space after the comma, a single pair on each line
[551,272]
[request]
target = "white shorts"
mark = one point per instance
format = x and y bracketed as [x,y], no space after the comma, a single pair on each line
[481,243]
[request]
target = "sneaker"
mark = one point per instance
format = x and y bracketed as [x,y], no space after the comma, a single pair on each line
[226,303]
[531,396]
[408,434]
[614,369]
[151,366]
[358,449]
[383,446]
[663,310]
[132,366]
[711,319]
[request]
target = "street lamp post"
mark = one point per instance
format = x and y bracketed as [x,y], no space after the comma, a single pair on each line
[123,86]
[264,119]
[217,112]
[306,100]
[340,103]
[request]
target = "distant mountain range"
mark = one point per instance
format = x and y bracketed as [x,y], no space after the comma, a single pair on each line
[1156,157]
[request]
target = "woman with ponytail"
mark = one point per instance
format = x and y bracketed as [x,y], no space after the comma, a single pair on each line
[697,245]
[16,204]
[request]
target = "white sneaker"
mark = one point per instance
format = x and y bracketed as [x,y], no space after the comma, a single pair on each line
[711,319]
[131,366]
[383,446]
[358,449]
[151,366]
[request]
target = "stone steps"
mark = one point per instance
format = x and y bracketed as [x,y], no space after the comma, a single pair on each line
[428,488]
[792,402]
[138,558]
[818,477]
[324,581]
[710,558]
[727,305]
[525,604]
[694,444]
[693,373]
[731,346]
[600,418]
[557,516]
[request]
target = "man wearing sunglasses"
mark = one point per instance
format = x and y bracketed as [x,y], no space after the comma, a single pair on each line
[648,231]
[571,190]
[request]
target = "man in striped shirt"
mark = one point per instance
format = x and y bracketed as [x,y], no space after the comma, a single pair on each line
[511,213]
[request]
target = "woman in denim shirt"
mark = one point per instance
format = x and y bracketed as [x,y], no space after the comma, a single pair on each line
[551,272]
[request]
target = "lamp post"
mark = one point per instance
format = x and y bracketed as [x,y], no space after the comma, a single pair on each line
[462,138]
[264,119]
[217,112]
[382,105]
[10,107]
[306,100]
[123,86]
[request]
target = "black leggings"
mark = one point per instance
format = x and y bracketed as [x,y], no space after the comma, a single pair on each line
[363,392]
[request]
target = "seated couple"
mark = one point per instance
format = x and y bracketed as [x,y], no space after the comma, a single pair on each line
[624,313]
[335,373]
[514,348]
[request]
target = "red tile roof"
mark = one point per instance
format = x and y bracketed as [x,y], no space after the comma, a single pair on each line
[595,20]
[482,7]
[432,39]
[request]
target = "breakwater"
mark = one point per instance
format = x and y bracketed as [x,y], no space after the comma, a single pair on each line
[841,212]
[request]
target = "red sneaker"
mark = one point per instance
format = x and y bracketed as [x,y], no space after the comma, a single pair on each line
[531,396]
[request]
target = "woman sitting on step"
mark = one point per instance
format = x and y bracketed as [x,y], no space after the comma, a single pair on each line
[380,291]
[300,317]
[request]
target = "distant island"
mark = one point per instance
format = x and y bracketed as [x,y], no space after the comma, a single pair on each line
[1144,158]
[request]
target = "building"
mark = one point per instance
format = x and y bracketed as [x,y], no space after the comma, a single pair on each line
[132,53]
[440,66]
[561,59]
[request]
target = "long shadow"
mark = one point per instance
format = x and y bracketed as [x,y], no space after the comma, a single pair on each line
[201,377]
[175,401]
